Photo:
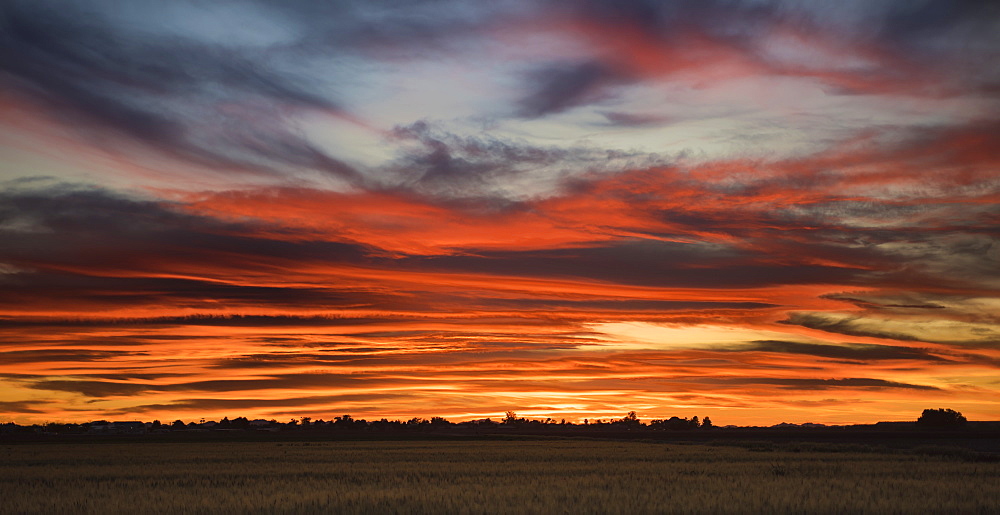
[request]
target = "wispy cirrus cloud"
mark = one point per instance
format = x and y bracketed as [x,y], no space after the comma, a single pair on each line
[212,104]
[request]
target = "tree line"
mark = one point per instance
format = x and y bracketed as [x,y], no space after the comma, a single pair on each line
[942,418]
[510,421]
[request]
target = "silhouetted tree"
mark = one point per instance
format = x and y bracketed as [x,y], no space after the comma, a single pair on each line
[943,418]
[630,421]
[510,418]
[695,423]
[707,423]
[178,424]
[674,424]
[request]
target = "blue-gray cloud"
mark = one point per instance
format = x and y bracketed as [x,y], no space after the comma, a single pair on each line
[219,106]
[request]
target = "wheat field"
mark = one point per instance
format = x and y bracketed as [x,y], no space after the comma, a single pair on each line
[555,476]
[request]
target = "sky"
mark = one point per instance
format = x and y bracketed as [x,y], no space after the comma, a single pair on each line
[757,211]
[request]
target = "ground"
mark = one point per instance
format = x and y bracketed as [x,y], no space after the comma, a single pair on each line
[492,476]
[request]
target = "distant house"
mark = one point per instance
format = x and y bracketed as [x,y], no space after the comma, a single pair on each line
[99,428]
[128,427]
[263,425]
[162,428]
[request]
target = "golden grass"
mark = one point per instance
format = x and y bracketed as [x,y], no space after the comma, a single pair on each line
[557,476]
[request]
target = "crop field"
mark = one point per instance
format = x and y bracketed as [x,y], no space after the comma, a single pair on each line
[543,476]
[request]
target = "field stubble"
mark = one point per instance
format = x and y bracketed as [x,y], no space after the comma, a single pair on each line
[557,476]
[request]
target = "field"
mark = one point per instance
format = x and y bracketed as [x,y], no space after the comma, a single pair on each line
[488,476]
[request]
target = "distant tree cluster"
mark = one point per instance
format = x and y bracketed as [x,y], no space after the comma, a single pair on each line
[676,424]
[943,418]
[629,422]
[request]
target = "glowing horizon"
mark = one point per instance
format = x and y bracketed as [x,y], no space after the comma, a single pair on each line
[755,211]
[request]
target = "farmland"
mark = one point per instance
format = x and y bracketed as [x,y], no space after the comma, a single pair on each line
[488,476]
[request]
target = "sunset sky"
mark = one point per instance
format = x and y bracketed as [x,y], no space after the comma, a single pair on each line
[757,211]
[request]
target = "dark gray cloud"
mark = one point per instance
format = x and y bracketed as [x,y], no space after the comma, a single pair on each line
[920,23]
[849,351]
[623,119]
[814,384]
[863,300]
[958,38]
[91,388]
[449,163]
[285,360]
[475,347]
[666,20]
[132,376]
[41,226]
[559,87]
[841,325]
[23,406]
[69,290]
[478,168]
[631,305]
[62,355]
[47,231]
[210,404]
[942,331]
[956,307]
[389,28]
[193,320]
[341,356]
[648,262]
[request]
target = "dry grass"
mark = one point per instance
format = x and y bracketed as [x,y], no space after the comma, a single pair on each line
[558,476]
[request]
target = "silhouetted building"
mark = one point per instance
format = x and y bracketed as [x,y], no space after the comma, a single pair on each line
[128,427]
